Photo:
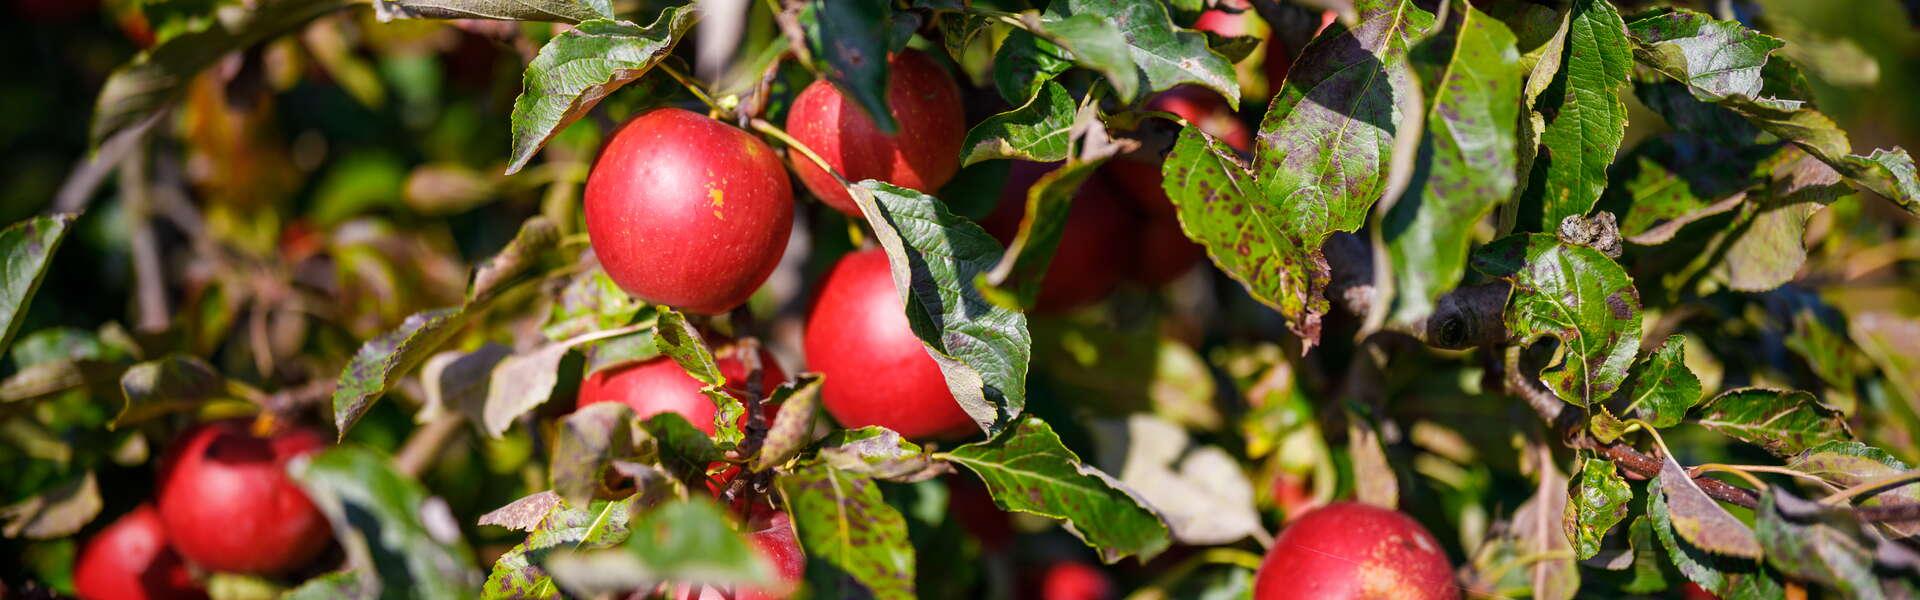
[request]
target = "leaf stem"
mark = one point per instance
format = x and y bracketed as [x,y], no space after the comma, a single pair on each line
[762,126]
[693,87]
[1871,486]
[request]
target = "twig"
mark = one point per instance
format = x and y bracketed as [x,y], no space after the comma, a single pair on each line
[86,178]
[425,444]
[150,286]
[762,126]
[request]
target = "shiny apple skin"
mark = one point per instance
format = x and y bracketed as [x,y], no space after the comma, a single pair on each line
[922,155]
[875,370]
[228,505]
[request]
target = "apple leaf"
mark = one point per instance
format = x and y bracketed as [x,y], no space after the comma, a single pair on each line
[562,11]
[537,238]
[1597,500]
[1027,469]
[1015,279]
[848,43]
[856,544]
[525,514]
[1131,370]
[515,574]
[56,512]
[1823,549]
[519,383]
[1784,422]
[1025,63]
[26,248]
[684,541]
[1699,519]
[456,382]
[1723,576]
[678,339]
[591,302]
[792,428]
[381,361]
[387,524]
[1200,490]
[1674,180]
[1048,42]
[1035,132]
[1893,343]
[879,453]
[1846,464]
[1576,295]
[982,348]
[176,383]
[1166,55]
[1664,389]
[586,442]
[1585,120]
[684,450]
[580,67]
[1466,160]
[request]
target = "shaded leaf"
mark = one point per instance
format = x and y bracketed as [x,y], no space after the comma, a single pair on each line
[387,523]
[1893,342]
[1726,578]
[793,427]
[563,11]
[173,384]
[848,43]
[1585,120]
[520,383]
[26,248]
[857,542]
[381,361]
[457,383]
[334,585]
[580,67]
[1597,500]
[879,453]
[57,512]
[688,541]
[591,302]
[1699,519]
[586,443]
[1648,577]
[1025,62]
[1199,490]
[1166,55]
[678,339]
[537,238]
[1017,277]
[1087,40]
[1027,469]
[1576,295]
[1785,422]
[1129,370]
[1035,132]
[684,450]
[44,379]
[1826,551]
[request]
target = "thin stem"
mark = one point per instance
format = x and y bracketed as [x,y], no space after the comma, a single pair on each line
[762,126]
[426,444]
[1736,471]
[694,87]
[1866,487]
[1761,469]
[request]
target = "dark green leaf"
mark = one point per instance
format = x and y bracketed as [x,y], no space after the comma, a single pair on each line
[586,443]
[537,238]
[1025,63]
[1699,519]
[1028,470]
[388,524]
[26,248]
[172,384]
[793,427]
[879,453]
[56,512]
[678,339]
[848,41]
[688,541]
[856,543]
[1671,181]
[382,361]
[1089,41]
[683,449]
[1585,117]
[1725,577]
[1648,577]
[1036,132]
[1663,387]
[1597,500]
[1466,163]
[1576,295]
[581,66]
[563,11]
[1785,422]
[982,348]
[1166,55]
[1825,550]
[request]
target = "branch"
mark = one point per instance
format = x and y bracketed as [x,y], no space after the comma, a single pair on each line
[426,444]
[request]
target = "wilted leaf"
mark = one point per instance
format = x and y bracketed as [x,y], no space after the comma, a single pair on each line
[382,361]
[1199,490]
[172,384]
[1035,132]
[524,514]
[793,427]
[1166,55]
[678,339]
[55,513]
[1785,422]
[564,11]
[580,67]
[1826,551]
[586,443]
[519,383]
[388,524]
[858,541]
[689,541]
[1585,120]
[1576,295]
[1028,470]
[982,348]
[1597,500]
[1699,519]
[26,248]
[879,453]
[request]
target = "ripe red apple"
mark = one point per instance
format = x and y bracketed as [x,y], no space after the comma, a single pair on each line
[1165,252]
[659,385]
[131,560]
[1075,580]
[1292,494]
[876,372]
[1096,250]
[686,211]
[774,541]
[970,503]
[228,505]
[923,154]
[1226,24]
[1354,550]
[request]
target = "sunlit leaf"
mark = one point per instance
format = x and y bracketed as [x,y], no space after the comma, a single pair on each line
[387,523]
[1784,422]
[26,248]
[1028,470]
[1576,295]
[1035,132]
[1597,500]
[580,67]
[856,540]
[1726,577]
[689,541]
[1585,120]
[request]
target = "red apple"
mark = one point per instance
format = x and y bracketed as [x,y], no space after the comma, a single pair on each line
[1292,494]
[686,211]
[1226,24]
[228,505]
[1075,580]
[972,504]
[876,372]
[131,560]
[659,385]
[1353,550]
[923,154]
[1096,250]
[774,541]
[1165,252]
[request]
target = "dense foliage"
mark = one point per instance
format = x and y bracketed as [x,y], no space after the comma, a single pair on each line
[960,299]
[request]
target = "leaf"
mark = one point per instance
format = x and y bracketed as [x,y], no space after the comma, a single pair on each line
[1700,520]
[1648,577]
[591,302]
[580,67]
[1671,181]
[1017,277]
[335,584]
[1127,370]
[1035,132]
[1848,463]
[1663,387]
[457,382]
[173,384]
[1825,550]
[562,11]
[599,525]
[1166,55]
[848,43]
[879,453]
[1784,422]
[856,540]
[1087,40]
[792,428]
[1573,294]
[586,443]
[982,348]
[1027,469]
[537,238]
[40,380]
[1199,490]
[1585,120]
[1893,343]
[388,524]
[519,383]
[684,450]
[157,78]
[524,514]
[687,541]
[26,249]
[1539,526]
[1766,249]
[1466,160]
[1597,500]
[1025,62]
[678,339]
[1375,481]
[381,361]
[57,512]
[1726,578]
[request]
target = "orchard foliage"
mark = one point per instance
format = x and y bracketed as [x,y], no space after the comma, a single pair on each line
[1503,298]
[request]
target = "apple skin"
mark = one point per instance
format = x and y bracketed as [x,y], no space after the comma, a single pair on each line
[1075,580]
[658,385]
[228,505]
[1350,550]
[875,371]
[1096,249]
[1292,494]
[687,211]
[923,155]
[773,540]
[131,560]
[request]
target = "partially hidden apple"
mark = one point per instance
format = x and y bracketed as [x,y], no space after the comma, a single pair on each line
[228,505]
[1349,550]
[1075,580]
[773,539]
[1096,250]
[923,154]
[132,560]
[658,385]
[875,370]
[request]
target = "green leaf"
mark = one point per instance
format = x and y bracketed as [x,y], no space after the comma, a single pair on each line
[855,542]
[680,341]
[586,442]
[562,11]
[1785,422]
[877,452]
[177,383]
[1724,577]
[1167,55]
[1035,132]
[1016,278]
[686,541]
[1576,295]
[26,248]
[388,524]
[1026,62]
[1673,180]
[157,78]
[1648,577]
[1663,387]
[1585,117]
[1699,519]
[1597,500]
[1466,160]
[336,584]
[684,450]
[792,428]
[848,43]
[982,348]
[1087,40]
[382,361]
[1847,464]
[56,512]
[516,575]
[1822,549]
[581,66]
[1027,469]
[590,302]
[1765,248]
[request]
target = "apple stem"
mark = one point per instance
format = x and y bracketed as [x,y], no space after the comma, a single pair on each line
[694,87]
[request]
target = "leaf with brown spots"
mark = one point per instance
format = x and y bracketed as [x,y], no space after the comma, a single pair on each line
[856,543]
[1028,470]
[1726,577]
[1699,519]
[1576,295]
[1785,422]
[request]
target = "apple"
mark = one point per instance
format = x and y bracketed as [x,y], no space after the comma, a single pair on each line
[923,154]
[1292,494]
[774,541]
[687,211]
[1354,550]
[131,560]
[1075,580]
[875,370]
[228,505]
[1096,249]
[658,385]
[972,505]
